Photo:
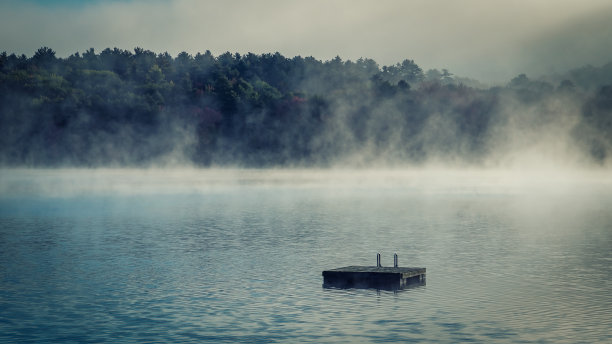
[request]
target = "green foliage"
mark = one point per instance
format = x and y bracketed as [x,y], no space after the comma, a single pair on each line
[119,106]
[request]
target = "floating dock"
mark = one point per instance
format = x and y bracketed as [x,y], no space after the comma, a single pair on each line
[379,277]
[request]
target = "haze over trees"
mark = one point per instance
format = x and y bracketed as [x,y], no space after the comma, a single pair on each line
[140,108]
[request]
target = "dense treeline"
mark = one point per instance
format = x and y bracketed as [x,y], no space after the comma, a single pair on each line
[119,107]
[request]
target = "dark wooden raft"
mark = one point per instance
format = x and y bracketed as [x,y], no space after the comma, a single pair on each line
[378,277]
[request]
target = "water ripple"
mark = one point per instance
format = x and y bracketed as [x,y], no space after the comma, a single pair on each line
[245,266]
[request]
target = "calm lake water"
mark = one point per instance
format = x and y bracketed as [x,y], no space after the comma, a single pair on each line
[236,256]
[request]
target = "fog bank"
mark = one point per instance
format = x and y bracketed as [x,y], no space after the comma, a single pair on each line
[60,183]
[118,108]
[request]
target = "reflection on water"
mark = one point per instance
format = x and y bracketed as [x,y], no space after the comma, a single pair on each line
[378,286]
[91,256]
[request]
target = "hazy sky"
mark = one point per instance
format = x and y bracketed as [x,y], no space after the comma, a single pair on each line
[484,39]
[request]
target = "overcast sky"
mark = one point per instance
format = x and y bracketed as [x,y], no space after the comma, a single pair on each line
[489,40]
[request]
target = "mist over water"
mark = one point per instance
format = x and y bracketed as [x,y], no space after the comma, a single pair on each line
[66,183]
[197,197]
[192,255]
[118,108]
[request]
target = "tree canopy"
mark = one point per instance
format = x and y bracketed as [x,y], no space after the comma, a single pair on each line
[133,108]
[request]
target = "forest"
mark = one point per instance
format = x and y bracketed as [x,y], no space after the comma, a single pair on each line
[140,108]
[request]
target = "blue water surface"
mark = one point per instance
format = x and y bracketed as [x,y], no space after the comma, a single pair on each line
[133,257]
